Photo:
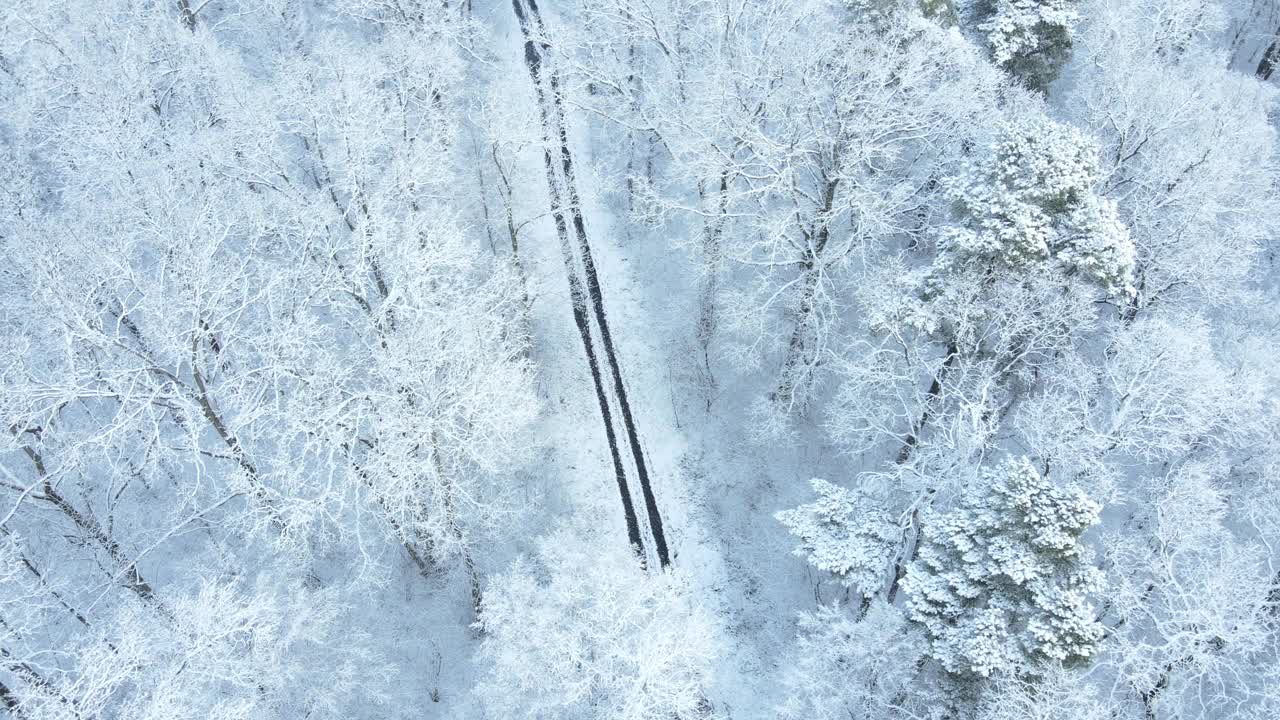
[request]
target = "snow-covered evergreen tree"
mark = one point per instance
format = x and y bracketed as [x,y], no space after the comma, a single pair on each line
[1002,582]
[1030,38]
[846,533]
[1033,197]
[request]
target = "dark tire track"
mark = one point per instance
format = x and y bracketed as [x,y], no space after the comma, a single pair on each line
[533,60]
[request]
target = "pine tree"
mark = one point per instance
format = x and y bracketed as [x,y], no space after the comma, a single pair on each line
[1032,198]
[1001,582]
[1030,38]
[847,534]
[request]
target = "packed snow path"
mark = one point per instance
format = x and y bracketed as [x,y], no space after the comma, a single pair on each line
[562,186]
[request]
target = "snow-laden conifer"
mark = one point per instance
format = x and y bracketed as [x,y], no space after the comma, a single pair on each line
[1031,38]
[1033,197]
[1002,581]
[846,533]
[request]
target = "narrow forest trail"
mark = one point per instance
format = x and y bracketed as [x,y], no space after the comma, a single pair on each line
[586,293]
[593,436]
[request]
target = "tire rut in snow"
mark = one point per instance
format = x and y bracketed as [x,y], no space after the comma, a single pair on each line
[577,297]
[554,123]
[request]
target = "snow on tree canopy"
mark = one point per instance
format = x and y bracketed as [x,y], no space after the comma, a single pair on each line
[1031,38]
[1032,198]
[403,359]
[1001,582]
[845,533]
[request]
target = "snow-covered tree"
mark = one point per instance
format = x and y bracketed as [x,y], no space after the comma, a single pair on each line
[1002,582]
[846,533]
[1191,602]
[1161,391]
[580,630]
[1034,197]
[1056,693]
[251,349]
[223,653]
[847,669]
[788,201]
[1187,151]
[1029,38]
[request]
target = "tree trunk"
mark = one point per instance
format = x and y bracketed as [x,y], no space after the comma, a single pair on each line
[504,191]
[10,701]
[39,576]
[801,355]
[455,527]
[33,678]
[188,15]
[712,257]
[935,391]
[1269,59]
[90,527]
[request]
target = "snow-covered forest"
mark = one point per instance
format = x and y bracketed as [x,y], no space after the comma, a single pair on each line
[639,359]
